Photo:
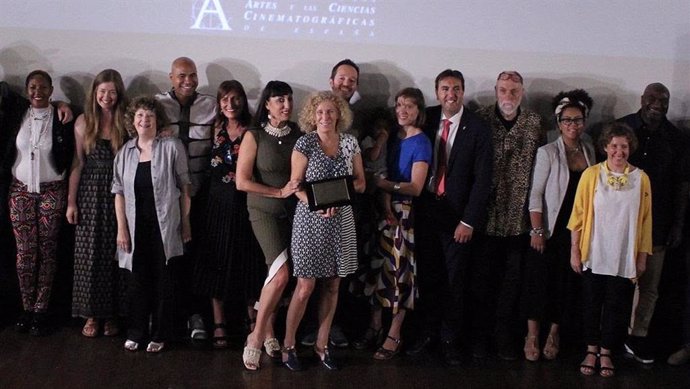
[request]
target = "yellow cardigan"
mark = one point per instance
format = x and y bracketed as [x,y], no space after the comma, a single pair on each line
[582,217]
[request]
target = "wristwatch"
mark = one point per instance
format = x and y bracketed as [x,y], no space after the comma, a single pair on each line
[396,187]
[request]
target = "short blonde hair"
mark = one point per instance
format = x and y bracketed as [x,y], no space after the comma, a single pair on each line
[307,117]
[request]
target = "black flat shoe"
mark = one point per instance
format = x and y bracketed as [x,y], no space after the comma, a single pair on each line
[39,327]
[23,322]
[326,360]
[291,360]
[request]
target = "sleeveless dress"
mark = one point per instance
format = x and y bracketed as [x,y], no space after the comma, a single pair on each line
[271,218]
[225,264]
[325,247]
[96,292]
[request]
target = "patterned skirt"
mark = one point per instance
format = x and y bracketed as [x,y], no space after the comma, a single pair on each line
[389,277]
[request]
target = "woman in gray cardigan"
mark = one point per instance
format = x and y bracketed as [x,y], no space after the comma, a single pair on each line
[556,174]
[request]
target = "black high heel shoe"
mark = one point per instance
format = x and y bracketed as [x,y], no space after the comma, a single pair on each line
[291,360]
[326,359]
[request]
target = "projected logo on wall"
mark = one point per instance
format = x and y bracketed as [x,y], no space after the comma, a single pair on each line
[344,19]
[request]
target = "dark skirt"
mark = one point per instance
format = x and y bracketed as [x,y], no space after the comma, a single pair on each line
[228,263]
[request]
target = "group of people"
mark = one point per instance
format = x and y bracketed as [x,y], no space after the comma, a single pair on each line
[471,218]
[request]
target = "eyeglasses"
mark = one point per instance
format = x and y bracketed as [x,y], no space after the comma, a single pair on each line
[510,75]
[568,121]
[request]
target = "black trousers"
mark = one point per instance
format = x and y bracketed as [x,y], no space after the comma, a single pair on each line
[550,284]
[444,272]
[607,304]
[151,289]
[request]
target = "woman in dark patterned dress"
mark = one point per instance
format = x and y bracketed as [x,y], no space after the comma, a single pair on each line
[100,133]
[226,264]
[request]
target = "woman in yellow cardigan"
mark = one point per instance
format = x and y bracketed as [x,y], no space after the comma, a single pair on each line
[611,227]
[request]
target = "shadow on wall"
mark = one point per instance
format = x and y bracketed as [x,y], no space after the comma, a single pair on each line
[681,76]
[380,81]
[223,69]
[147,84]
[75,86]
[19,60]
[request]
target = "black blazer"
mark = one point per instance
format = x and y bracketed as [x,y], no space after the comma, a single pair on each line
[470,166]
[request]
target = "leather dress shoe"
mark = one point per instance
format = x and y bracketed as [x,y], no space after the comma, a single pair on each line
[451,354]
[423,344]
[327,360]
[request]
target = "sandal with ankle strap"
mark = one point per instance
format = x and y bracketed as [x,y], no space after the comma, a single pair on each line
[605,371]
[591,367]
[219,342]
[384,354]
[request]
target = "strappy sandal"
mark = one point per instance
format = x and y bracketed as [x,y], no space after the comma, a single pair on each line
[155,347]
[219,342]
[384,354]
[251,357]
[531,348]
[606,371]
[110,328]
[591,368]
[370,338]
[551,347]
[272,347]
[90,329]
[131,345]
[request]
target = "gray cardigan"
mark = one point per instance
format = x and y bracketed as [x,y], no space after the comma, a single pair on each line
[550,180]
[169,173]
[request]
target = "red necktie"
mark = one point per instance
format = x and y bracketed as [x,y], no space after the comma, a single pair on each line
[441,164]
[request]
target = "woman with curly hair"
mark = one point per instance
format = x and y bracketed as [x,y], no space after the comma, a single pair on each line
[152,187]
[324,242]
[557,170]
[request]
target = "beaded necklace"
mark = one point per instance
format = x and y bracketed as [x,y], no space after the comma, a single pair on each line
[616,182]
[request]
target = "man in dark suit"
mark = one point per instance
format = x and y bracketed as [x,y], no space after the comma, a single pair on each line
[451,213]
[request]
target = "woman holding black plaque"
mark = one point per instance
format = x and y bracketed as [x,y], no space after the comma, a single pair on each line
[324,242]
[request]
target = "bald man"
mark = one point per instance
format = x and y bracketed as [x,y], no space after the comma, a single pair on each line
[661,147]
[191,116]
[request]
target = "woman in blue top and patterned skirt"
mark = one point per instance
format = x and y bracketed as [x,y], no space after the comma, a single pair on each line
[392,282]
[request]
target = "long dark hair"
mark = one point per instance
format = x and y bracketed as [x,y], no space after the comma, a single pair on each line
[272,89]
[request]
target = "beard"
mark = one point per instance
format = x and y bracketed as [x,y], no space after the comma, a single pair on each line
[508,109]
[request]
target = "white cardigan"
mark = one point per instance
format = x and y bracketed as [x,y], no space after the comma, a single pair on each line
[550,180]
